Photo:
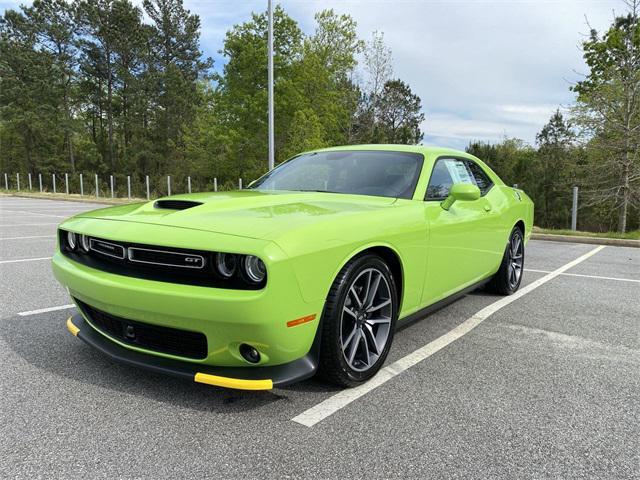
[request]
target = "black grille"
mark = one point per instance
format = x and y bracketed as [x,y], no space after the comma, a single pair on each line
[173,341]
[176,204]
[150,262]
[166,258]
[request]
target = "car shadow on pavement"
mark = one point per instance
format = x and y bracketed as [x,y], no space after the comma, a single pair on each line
[44,342]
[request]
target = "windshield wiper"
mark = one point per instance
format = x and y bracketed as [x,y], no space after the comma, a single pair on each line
[321,191]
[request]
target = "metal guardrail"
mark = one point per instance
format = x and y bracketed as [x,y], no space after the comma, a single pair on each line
[574,207]
[147,191]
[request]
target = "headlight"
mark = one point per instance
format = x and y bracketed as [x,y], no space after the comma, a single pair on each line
[226,264]
[84,242]
[71,240]
[254,268]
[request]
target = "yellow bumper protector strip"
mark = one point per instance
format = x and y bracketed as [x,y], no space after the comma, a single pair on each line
[237,383]
[72,328]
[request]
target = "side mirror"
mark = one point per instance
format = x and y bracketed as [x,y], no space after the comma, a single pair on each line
[461,191]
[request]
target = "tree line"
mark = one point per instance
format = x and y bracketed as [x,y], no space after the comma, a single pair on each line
[107,87]
[596,146]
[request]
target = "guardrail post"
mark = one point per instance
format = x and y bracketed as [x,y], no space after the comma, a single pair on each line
[111,181]
[97,187]
[574,210]
[168,185]
[40,181]
[54,182]
[18,181]
[6,181]
[66,183]
[81,187]
[129,187]
[147,182]
[215,184]
[30,185]
[189,184]
[239,184]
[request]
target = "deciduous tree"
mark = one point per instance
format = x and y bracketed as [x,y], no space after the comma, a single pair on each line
[608,110]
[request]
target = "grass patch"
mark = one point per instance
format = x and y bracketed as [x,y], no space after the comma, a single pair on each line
[72,197]
[634,235]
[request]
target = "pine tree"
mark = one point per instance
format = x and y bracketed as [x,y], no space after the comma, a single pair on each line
[555,142]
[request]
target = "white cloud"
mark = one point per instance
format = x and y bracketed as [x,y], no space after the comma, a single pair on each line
[484,68]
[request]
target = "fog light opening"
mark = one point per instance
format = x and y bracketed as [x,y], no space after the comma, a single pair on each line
[249,353]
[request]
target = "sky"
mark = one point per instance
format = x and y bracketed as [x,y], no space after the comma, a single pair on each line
[484,69]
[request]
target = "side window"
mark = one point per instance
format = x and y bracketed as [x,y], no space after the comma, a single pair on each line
[446,172]
[482,180]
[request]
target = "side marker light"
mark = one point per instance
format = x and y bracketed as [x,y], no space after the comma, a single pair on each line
[301,320]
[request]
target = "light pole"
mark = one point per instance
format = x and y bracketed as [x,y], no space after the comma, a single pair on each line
[270,83]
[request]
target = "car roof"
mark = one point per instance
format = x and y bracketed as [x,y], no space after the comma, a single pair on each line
[423,149]
[430,153]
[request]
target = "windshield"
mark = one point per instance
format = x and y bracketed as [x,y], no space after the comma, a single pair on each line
[378,173]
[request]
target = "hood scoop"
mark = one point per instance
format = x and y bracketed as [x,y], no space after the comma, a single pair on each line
[176,204]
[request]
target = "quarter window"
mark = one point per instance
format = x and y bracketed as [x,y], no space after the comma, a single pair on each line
[481,179]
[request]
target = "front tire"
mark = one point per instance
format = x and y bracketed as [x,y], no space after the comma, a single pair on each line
[508,278]
[358,321]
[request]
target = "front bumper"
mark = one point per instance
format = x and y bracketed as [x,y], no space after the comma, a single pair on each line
[241,378]
[266,319]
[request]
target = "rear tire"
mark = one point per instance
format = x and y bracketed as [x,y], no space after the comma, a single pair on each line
[358,322]
[509,276]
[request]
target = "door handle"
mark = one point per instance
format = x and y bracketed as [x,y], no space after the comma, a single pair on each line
[487,208]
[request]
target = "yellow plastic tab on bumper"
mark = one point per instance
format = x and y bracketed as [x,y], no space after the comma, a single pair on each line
[237,383]
[72,328]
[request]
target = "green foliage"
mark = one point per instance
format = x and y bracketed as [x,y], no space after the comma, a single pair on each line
[630,235]
[400,114]
[608,113]
[598,151]
[555,171]
[108,87]
[242,90]
[306,133]
[548,174]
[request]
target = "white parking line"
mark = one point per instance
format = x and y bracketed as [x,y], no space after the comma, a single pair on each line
[31,236]
[34,213]
[25,260]
[50,203]
[598,277]
[47,205]
[47,209]
[45,310]
[30,224]
[340,400]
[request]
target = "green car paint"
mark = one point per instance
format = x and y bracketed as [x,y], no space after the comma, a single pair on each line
[304,239]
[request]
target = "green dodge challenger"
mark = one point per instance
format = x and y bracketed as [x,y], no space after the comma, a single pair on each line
[308,270]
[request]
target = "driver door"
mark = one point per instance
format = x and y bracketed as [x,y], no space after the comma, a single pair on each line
[460,251]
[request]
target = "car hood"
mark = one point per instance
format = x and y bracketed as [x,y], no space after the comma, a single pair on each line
[247,213]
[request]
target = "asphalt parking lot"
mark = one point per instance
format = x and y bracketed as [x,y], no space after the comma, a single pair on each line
[546,385]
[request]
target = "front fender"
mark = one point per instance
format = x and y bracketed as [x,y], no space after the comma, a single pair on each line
[318,255]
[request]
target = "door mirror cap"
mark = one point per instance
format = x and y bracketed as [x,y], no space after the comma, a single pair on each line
[461,191]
